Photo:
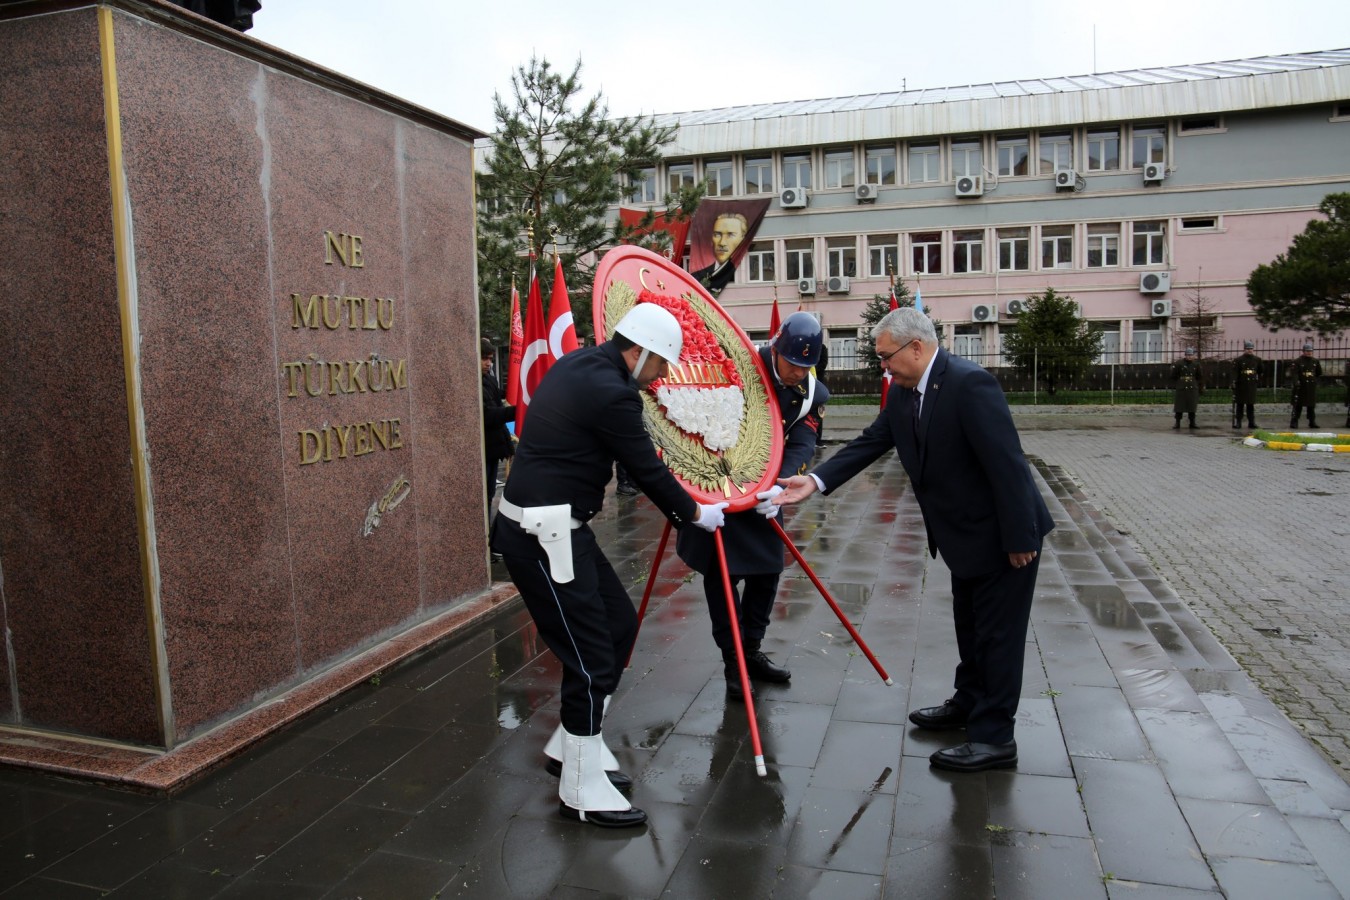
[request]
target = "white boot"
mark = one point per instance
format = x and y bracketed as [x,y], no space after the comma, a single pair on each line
[553,750]
[585,790]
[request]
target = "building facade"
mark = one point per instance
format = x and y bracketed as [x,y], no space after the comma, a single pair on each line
[1148,196]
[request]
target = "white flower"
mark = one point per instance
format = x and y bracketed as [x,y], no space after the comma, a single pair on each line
[713,413]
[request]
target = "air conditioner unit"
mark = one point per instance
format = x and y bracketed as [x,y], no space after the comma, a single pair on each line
[792,198]
[866,192]
[1155,282]
[1154,173]
[984,312]
[1066,180]
[837,284]
[969,186]
[806,286]
[1160,309]
[1016,307]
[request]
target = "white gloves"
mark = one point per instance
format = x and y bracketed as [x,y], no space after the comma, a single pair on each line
[766,507]
[710,516]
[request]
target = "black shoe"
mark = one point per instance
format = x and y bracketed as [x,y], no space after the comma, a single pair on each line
[620,780]
[948,715]
[626,490]
[760,668]
[1252,425]
[734,691]
[1313,425]
[623,818]
[973,757]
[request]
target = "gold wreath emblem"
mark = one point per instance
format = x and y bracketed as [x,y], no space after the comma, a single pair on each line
[740,466]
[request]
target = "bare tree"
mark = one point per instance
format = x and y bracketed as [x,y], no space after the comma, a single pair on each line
[1199,325]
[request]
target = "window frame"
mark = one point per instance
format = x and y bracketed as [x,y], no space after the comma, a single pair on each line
[755,257]
[1154,244]
[931,154]
[1112,238]
[761,165]
[1042,143]
[968,148]
[797,161]
[964,248]
[839,166]
[1059,240]
[719,166]
[1146,132]
[1010,239]
[1011,143]
[1100,136]
[870,153]
[932,252]
[793,256]
[878,244]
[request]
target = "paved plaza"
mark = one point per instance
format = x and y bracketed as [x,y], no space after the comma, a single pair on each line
[1181,734]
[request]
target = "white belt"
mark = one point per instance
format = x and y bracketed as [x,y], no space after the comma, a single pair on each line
[552,525]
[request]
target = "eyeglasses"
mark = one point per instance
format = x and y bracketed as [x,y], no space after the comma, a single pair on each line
[886,357]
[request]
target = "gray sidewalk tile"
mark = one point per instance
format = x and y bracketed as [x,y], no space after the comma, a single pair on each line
[1224,829]
[1252,879]
[1025,865]
[1197,759]
[1098,723]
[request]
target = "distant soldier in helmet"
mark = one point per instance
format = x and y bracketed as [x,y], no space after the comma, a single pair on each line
[1304,373]
[1246,376]
[754,550]
[586,415]
[1187,386]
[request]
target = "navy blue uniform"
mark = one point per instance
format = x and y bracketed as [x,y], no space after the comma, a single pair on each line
[584,416]
[754,550]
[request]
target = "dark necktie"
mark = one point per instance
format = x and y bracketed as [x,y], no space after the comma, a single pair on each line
[917,407]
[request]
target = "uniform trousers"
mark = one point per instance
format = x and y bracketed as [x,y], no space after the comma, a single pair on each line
[754,603]
[991,614]
[589,623]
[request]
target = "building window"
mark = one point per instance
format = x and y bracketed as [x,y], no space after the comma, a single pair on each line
[1057,247]
[966,158]
[759,264]
[924,163]
[881,165]
[966,341]
[797,170]
[968,251]
[759,175]
[1103,245]
[1014,155]
[1110,332]
[1200,223]
[801,259]
[882,256]
[1340,112]
[1014,249]
[1150,239]
[926,252]
[1103,150]
[1205,123]
[1056,152]
[1149,145]
[1146,341]
[842,255]
[839,169]
[717,172]
[679,176]
[644,185]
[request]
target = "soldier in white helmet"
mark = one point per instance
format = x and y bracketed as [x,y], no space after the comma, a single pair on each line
[585,416]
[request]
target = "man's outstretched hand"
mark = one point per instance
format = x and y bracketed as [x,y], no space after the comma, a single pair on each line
[795,489]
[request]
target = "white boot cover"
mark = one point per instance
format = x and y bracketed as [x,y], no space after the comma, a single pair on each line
[584,785]
[553,749]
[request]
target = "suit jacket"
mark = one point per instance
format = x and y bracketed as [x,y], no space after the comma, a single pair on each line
[973,484]
[585,415]
[496,413]
[751,545]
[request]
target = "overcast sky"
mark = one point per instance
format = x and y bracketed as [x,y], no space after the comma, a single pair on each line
[450,56]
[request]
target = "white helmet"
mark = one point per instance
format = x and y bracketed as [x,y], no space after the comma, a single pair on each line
[654,329]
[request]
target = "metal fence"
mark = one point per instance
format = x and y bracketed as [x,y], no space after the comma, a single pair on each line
[1128,372]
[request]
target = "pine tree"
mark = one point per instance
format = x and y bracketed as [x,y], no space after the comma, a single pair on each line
[1051,341]
[555,166]
[1307,288]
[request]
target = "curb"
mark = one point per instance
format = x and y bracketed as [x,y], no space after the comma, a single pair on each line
[1291,445]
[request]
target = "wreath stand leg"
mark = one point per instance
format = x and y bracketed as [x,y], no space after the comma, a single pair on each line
[647,593]
[853,632]
[740,657]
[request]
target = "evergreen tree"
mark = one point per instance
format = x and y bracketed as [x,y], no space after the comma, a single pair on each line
[555,166]
[872,313]
[1307,288]
[1051,341]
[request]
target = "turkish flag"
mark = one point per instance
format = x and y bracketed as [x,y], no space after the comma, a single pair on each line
[534,358]
[517,348]
[774,322]
[562,332]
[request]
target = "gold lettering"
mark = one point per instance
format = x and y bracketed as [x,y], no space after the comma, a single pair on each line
[380,431]
[367,322]
[327,444]
[358,260]
[347,247]
[309,446]
[343,433]
[308,315]
[363,439]
[333,302]
[379,307]
[397,373]
[356,372]
[292,371]
[317,388]
[395,438]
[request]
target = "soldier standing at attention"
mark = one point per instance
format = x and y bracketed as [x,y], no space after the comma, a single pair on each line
[1187,387]
[1303,377]
[1246,374]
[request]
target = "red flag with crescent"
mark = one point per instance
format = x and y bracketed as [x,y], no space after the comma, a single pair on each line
[562,332]
[714,420]
[534,358]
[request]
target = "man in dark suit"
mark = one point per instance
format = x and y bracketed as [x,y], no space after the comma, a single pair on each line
[585,415]
[948,421]
[496,413]
[754,551]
